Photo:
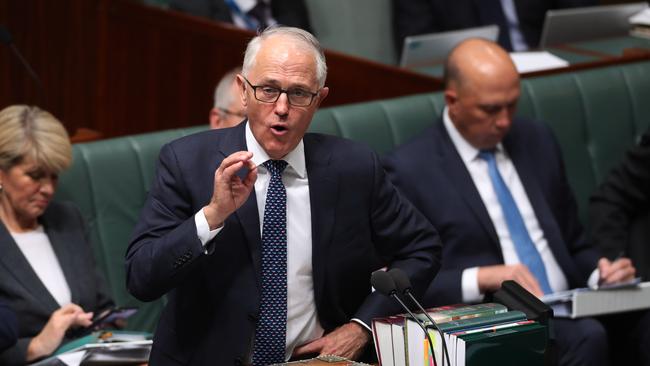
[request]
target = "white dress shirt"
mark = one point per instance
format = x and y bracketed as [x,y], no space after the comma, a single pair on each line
[37,248]
[478,170]
[302,320]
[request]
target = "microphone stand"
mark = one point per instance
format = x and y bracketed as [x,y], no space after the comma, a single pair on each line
[424,328]
[433,325]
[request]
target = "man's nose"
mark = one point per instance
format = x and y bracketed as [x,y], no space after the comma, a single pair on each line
[504,118]
[282,104]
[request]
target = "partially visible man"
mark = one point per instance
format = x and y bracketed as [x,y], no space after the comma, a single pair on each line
[263,237]
[495,188]
[619,211]
[228,110]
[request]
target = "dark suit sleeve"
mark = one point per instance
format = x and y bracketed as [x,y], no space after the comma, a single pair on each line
[620,199]
[8,327]
[165,243]
[447,288]
[404,238]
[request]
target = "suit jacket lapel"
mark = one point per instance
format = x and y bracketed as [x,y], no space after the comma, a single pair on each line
[462,181]
[18,266]
[323,192]
[233,141]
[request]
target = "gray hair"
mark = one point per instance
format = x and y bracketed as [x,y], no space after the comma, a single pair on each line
[301,36]
[222,93]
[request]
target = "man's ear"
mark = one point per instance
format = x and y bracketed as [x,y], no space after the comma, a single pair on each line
[214,118]
[322,94]
[451,97]
[241,83]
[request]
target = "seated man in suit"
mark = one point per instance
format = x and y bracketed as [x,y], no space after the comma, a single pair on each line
[228,110]
[619,211]
[495,188]
[263,237]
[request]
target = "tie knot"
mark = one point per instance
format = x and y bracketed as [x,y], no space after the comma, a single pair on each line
[487,155]
[275,167]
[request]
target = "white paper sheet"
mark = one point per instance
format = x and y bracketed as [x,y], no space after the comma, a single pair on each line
[536,61]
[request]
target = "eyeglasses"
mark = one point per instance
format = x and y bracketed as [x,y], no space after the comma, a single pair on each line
[268,94]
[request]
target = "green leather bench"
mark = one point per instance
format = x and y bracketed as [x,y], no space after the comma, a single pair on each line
[596,115]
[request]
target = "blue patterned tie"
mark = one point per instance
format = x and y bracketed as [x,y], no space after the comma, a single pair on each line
[524,246]
[271,332]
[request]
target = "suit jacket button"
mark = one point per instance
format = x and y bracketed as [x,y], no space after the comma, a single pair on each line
[253,317]
[238,361]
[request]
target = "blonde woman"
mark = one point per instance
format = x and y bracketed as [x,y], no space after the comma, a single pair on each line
[47,270]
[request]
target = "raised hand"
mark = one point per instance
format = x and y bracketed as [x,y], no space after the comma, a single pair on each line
[230,191]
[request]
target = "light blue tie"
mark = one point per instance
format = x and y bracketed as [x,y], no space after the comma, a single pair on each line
[271,332]
[524,246]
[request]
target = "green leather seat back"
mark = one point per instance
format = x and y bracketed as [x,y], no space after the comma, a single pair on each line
[108,181]
[596,116]
[383,125]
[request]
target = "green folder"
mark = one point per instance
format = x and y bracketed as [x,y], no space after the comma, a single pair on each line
[522,345]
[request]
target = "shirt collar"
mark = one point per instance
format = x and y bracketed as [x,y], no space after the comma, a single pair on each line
[467,152]
[295,158]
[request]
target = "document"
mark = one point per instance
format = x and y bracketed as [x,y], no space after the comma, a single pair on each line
[536,61]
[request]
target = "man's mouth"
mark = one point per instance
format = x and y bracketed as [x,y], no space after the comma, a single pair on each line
[279,128]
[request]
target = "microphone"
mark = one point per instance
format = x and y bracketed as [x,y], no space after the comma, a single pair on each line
[6,38]
[385,284]
[403,285]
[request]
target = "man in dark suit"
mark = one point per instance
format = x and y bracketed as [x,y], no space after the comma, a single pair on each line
[523,17]
[619,211]
[495,188]
[248,14]
[264,237]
